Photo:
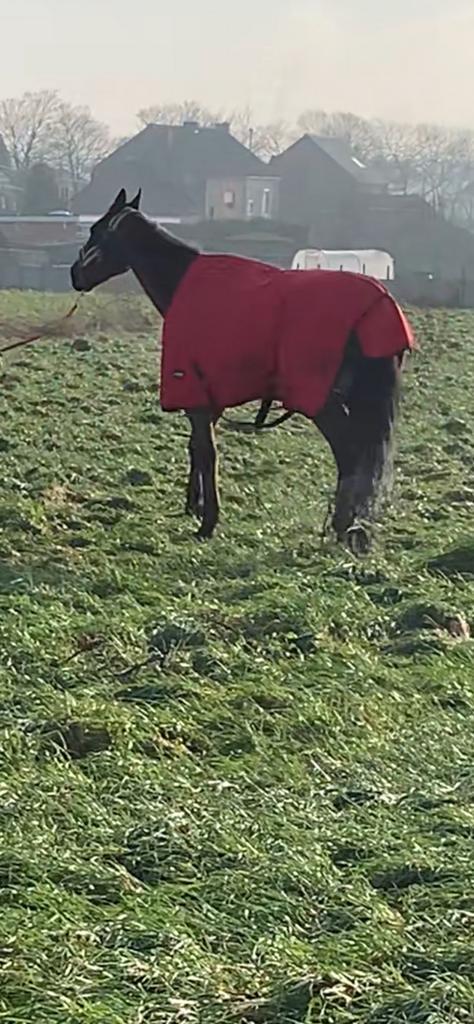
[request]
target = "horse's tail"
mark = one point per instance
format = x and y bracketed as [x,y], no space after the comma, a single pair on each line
[372,400]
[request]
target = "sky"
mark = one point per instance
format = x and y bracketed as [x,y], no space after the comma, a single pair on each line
[405,59]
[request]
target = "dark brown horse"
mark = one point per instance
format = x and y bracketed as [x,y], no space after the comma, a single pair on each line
[358,415]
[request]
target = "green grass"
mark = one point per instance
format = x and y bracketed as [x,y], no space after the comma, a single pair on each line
[237,779]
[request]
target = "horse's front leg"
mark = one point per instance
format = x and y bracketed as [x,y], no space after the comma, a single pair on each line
[203,493]
[194,490]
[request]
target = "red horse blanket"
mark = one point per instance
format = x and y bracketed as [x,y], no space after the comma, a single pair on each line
[239,330]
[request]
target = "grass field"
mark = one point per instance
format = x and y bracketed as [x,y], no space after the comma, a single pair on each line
[237,780]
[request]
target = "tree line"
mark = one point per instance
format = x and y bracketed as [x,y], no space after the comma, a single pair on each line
[44,135]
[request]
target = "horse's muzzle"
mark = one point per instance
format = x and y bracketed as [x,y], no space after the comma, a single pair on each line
[77,278]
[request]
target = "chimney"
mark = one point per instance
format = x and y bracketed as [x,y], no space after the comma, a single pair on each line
[222,126]
[192,125]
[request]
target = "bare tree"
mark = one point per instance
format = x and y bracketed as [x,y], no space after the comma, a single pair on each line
[443,159]
[356,131]
[26,124]
[458,185]
[271,139]
[177,113]
[40,128]
[41,192]
[313,122]
[435,162]
[265,140]
[462,209]
[78,142]
[242,124]
[394,149]
[460,204]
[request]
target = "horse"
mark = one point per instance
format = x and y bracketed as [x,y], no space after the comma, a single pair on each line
[328,345]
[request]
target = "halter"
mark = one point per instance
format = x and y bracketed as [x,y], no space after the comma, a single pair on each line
[119,217]
[89,255]
[95,253]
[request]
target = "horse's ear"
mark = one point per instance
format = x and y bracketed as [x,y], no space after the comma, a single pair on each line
[135,202]
[119,202]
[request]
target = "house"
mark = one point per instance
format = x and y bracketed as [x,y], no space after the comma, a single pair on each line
[186,172]
[10,192]
[67,186]
[320,173]
[347,205]
[421,240]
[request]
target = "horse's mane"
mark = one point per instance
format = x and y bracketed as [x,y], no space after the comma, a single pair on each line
[158,233]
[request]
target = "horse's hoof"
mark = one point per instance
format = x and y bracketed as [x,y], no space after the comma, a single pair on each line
[358,540]
[194,509]
[205,533]
[194,513]
[202,537]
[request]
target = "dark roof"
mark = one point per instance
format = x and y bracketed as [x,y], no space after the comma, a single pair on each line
[171,164]
[161,197]
[339,151]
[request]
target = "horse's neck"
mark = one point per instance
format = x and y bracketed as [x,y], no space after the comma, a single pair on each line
[158,262]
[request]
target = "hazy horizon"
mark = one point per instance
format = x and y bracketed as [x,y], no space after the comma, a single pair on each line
[279,57]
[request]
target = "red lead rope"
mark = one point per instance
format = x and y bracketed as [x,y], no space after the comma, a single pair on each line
[46,331]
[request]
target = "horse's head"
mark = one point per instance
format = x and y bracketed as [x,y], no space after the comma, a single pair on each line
[102,256]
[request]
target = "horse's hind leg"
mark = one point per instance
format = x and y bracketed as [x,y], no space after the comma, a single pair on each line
[334,423]
[372,403]
[202,487]
[359,429]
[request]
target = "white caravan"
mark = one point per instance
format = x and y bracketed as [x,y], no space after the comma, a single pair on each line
[372,262]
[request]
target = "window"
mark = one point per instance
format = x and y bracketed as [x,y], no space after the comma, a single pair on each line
[266,202]
[229,198]
[250,208]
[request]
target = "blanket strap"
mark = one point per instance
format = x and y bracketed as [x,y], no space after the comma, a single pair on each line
[258,424]
[244,426]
